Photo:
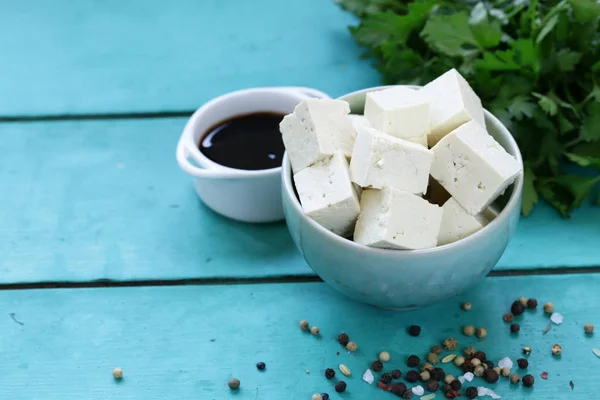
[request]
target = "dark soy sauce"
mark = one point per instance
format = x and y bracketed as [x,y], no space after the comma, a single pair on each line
[250,141]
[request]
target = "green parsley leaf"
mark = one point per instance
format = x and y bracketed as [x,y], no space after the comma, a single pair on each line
[567,59]
[547,104]
[590,126]
[450,35]
[586,155]
[530,196]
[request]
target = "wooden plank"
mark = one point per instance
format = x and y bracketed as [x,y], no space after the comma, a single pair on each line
[83,201]
[151,56]
[186,342]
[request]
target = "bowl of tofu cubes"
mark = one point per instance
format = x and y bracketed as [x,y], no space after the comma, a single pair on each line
[401,196]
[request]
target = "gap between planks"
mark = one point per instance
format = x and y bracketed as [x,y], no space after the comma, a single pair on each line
[95,116]
[105,283]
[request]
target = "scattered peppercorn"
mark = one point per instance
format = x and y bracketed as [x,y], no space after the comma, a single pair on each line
[234,383]
[325,396]
[466,306]
[532,303]
[352,347]
[425,376]
[455,384]
[437,374]
[556,349]
[437,349]
[508,317]
[469,351]
[505,371]
[480,355]
[411,376]
[376,365]
[588,328]
[414,330]
[396,374]
[527,350]
[488,364]
[469,330]
[118,373]
[548,309]
[408,394]
[384,356]
[315,330]
[340,387]
[329,373]
[514,379]
[316,396]
[446,388]
[413,361]
[491,375]
[522,363]
[398,388]
[458,361]
[449,378]
[515,328]
[479,370]
[452,394]
[471,392]
[517,308]
[343,339]
[572,385]
[426,367]
[261,365]
[523,300]
[433,358]
[304,325]
[481,333]
[466,367]
[528,380]
[450,344]
[475,361]
[386,378]
[432,386]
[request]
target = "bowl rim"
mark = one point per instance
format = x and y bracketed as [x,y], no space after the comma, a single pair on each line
[501,218]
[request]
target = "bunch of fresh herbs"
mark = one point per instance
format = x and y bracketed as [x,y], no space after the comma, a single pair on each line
[534,63]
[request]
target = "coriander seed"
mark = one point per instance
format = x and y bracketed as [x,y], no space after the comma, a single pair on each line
[343,339]
[425,376]
[432,386]
[469,330]
[411,376]
[449,378]
[556,349]
[386,378]
[261,366]
[437,349]
[458,361]
[506,372]
[304,325]
[475,362]
[517,308]
[523,300]
[426,367]
[528,380]
[481,333]
[315,330]
[340,387]
[118,373]
[548,309]
[384,356]
[514,379]
[234,383]
[450,344]
[469,351]
[329,373]
[437,374]
[480,355]
[466,306]
[413,361]
[377,366]
[588,328]
[455,384]
[527,350]
[351,347]
[414,330]
[479,370]
[515,328]
[471,392]
[522,363]
[508,317]
[396,374]
[532,303]
[316,396]
[491,375]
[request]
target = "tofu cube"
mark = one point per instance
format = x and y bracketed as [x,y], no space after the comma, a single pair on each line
[473,167]
[453,104]
[394,219]
[382,160]
[398,111]
[327,195]
[316,130]
[360,121]
[457,223]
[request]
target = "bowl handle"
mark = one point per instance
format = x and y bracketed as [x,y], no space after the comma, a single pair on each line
[183,155]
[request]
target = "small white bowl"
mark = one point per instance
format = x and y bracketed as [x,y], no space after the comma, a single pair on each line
[244,195]
[404,279]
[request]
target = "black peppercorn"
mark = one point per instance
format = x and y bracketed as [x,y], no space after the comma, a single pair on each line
[489,363]
[455,384]
[343,339]
[386,378]
[466,367]
[531,303]
[490,375]
[514,328]
[413,361]
[437,374]
[522,363]
[261,365]
[446,388]
[398,389]
[340,387]
[408,394]
[471,392]
[329,373]
[396,374]
[517,308]
[480,355]
[432,386]
[376,365]
[528,380]
[325,396]
[411,376]
[414,330]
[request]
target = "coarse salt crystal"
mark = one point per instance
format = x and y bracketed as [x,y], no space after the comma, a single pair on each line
[493,394]
[469,376]
[368,376]
[418,390]
[505,363]
[557,318]
[461,379]
[481,391]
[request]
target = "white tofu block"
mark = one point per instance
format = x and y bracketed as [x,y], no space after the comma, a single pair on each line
[327,195]
[394,219]
[453,104]
[457,223]
[473,167]
[398,111]
[362,121]
[316,130]
[382,160]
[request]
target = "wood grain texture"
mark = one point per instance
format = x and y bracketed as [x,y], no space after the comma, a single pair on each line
[149,55]
[83,201]
[186,342]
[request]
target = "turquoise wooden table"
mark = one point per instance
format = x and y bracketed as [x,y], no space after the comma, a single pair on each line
[107,259]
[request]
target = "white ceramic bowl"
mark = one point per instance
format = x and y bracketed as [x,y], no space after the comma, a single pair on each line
[404,279]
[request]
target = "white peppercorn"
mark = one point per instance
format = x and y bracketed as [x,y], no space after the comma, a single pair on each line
[556,349]
[458,361]
[314,330]
[478,371]
[351,347]
[548,308]
[475,362]
[505,371]
[384,356]
[118,373]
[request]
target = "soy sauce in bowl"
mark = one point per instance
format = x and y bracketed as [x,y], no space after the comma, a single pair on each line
[250,142]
